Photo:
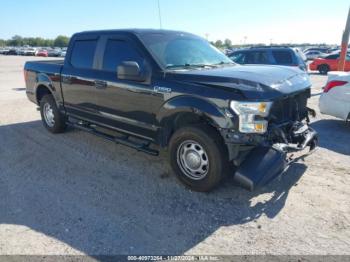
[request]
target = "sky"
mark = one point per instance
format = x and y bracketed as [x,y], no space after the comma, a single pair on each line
[249,21]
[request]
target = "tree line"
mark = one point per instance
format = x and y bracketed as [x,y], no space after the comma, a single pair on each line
[62,41]
[226,44]
[59,41]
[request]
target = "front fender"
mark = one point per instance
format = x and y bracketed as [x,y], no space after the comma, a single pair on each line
[195,105]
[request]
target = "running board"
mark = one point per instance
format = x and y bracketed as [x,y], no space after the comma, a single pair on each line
[122,139]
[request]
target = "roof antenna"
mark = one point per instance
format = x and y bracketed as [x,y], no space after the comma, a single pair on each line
[160,15]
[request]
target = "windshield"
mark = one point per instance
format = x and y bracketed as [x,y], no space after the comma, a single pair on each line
[179,50]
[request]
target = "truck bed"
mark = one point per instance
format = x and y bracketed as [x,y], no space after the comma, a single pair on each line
[57,61]
[43,72]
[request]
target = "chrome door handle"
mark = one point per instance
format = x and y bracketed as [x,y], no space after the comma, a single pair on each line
[100,84]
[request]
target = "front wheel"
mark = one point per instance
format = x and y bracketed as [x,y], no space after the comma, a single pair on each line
[51,117]
[198,157]
[323,69]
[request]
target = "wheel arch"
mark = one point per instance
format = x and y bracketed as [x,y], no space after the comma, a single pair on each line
[41,91]
[184,111]
[44,86]
[323,64]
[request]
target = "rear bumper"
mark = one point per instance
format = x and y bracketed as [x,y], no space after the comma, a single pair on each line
[334,107]
[265,163]
[31,96]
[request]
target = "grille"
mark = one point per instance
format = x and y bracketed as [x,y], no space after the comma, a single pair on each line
[291,108]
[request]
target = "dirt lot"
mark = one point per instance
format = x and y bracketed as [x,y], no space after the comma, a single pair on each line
[74,193]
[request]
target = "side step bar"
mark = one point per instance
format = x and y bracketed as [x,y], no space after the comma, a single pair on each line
[122,139]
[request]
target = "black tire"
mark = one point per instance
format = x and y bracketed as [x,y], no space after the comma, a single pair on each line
[211,143]
[59,121]
[323,69]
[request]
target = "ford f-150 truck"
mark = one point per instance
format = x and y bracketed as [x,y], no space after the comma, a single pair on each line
[170,90]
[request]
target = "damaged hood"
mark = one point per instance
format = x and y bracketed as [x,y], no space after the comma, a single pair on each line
[254,81]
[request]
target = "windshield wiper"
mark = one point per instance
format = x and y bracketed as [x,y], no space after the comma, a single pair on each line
[224,63]
[190,66]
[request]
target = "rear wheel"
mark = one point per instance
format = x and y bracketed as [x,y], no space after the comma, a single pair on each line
[323,69]
[51,117]
[198,157]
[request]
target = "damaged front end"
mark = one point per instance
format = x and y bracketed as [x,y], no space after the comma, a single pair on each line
[265,162]
[285,135]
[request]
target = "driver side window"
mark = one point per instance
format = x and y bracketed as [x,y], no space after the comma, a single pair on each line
[118,51]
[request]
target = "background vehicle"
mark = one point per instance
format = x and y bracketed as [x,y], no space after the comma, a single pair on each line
[30,51]
[175,90]
[33,51]
[335,100]
[4,51]
[269,55]
[43,53]
[21,50]
[12,52]
[333,50]
[311,55]
[300,53]
[54,52]
[63,53]
[320,49]
[328,63]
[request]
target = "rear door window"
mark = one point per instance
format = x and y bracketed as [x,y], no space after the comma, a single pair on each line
[118,51]
[250,58]
[257,57]
[83,53]
[262,58]
[282,57]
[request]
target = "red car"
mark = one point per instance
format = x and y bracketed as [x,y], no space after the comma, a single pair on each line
[42,53]
[328,63]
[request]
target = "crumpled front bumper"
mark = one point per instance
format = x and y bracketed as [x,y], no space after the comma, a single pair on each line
[265,163]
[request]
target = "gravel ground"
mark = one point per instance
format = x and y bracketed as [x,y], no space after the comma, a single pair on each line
[74,193]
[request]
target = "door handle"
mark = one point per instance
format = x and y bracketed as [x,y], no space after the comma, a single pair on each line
[67,79]
[100,84]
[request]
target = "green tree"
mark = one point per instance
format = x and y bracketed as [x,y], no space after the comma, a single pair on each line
[48,42]
[218,43]
[61,41]
[16,41]
[228,43]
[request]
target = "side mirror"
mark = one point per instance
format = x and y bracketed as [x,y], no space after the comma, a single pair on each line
[130,70]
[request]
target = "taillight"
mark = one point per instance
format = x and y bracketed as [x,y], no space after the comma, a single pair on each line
[333,84]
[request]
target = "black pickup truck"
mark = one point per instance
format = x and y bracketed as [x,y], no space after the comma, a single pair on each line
[159,89]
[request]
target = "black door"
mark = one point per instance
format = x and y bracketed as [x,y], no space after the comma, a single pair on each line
[126,104]
[78,79]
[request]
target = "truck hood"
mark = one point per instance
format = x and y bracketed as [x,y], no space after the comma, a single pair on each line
[254,81]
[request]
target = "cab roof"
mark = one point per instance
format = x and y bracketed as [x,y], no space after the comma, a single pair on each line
[133,31]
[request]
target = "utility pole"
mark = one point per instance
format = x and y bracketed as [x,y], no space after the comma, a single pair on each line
[344,44]
[160,15]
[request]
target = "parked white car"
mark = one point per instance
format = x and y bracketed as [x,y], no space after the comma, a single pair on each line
[30,51]
[4,50]
[335,100]
[311,55]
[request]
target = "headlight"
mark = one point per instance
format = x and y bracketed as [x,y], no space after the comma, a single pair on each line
[247,112]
